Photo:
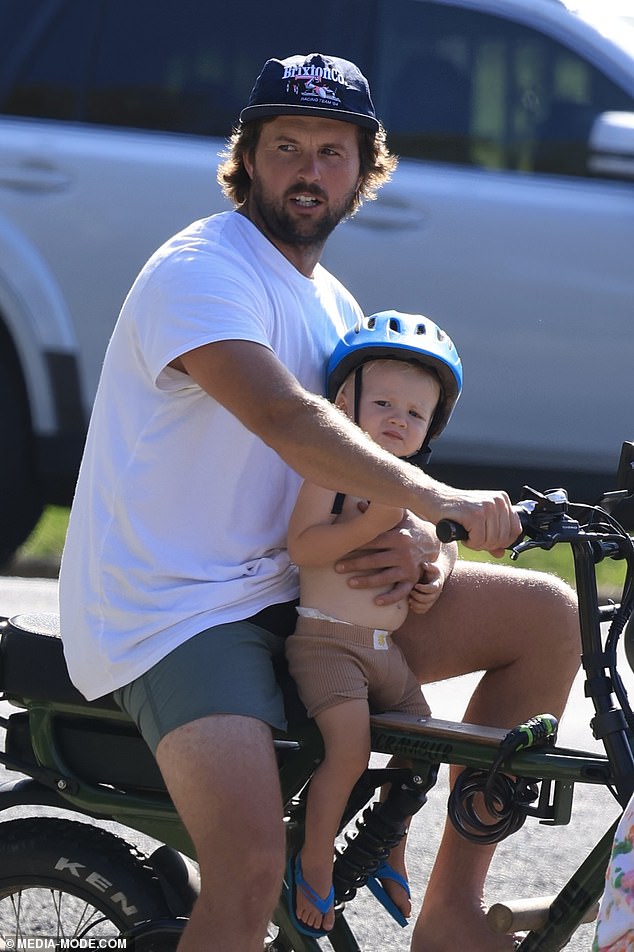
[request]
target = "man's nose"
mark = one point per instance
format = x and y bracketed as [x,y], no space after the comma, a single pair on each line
[310,169]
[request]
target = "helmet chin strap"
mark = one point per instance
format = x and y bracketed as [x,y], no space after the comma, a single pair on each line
[358,378]
[337,505]
[421,457]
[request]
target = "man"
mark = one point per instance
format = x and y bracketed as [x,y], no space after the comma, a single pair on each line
[176,588]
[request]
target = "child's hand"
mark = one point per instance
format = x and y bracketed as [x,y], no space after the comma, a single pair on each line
[427,590]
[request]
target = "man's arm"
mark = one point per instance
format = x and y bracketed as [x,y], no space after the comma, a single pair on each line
[322,445]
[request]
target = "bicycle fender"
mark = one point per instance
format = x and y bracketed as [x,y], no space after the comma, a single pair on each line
[27,792]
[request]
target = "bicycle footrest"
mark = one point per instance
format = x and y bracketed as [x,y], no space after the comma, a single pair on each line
[523,915]
[433,727]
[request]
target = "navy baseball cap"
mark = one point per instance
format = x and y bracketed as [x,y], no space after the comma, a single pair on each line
[312,85]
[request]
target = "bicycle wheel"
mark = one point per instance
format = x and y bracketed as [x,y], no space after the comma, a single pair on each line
[63,879]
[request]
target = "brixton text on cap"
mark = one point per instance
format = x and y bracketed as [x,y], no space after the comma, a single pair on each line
[312,85]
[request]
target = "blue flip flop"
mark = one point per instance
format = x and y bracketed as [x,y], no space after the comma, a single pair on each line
[295,880]
[385,871]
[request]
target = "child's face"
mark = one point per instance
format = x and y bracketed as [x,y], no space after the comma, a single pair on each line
[398,401]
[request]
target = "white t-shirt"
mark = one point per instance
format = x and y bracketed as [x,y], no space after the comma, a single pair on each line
[180,513]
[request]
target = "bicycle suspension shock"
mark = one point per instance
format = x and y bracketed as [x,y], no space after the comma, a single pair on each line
[381,827]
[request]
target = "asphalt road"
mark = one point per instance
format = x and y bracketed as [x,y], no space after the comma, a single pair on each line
[535,861]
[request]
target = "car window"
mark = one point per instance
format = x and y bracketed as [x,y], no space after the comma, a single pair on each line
[49,48]
[173,65]
[466,87]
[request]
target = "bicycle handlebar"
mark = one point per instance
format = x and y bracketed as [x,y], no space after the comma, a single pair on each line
[545,521]
[449,531]
[536,513]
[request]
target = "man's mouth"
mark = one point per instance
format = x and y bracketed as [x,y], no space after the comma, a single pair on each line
[305,201]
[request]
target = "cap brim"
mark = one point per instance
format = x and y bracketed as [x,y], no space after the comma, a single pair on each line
[263,110]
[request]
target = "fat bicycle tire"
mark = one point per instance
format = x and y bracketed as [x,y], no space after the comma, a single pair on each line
[64,879]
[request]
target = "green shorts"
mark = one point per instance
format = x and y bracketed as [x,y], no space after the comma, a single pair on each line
[227,669]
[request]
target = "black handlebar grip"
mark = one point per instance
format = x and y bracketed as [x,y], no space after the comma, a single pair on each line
[449,531]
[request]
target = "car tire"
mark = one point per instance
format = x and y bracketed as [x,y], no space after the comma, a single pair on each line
[21,500]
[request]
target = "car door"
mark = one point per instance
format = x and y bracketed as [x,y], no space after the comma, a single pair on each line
[492,228]
[113,117]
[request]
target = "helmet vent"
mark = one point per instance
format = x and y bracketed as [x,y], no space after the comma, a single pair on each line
[420,329]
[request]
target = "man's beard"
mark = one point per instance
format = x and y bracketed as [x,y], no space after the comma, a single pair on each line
[283,227]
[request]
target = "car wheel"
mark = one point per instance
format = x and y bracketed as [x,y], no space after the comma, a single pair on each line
[21,500]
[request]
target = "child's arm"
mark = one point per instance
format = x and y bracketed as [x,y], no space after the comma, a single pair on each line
[317,537]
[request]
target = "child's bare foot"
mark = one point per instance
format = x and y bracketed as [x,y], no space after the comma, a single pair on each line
[313,896]
[392,876]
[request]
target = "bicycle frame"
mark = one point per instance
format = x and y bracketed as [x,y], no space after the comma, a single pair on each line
[47,741]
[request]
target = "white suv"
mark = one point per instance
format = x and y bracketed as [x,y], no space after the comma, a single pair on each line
[510,221]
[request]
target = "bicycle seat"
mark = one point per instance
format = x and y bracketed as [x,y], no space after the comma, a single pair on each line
[33,666]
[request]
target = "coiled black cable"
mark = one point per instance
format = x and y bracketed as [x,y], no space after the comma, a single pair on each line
[487,806]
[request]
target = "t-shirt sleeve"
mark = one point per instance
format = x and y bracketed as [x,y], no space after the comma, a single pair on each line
[195,298]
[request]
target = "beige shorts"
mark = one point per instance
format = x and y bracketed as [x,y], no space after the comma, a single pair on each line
[333,662]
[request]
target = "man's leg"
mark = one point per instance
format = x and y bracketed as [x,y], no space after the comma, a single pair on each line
[222,775]
[521,629]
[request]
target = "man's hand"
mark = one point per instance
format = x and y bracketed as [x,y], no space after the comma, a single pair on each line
[396,558]
[487,516]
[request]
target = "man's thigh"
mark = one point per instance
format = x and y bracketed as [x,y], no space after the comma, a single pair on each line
[480,621]
[222,775]
[223,670]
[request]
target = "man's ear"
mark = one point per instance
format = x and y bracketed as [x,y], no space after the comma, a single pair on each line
[247,161]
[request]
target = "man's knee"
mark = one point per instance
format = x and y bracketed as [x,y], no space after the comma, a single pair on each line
[557,604]
[249,880]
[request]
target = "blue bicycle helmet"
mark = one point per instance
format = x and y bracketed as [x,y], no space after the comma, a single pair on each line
[409,337]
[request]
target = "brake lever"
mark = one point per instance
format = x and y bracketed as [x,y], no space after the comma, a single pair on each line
[538,514]
[545,526]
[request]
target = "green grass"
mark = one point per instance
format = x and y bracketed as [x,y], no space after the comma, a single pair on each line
[47,541]
[559,561]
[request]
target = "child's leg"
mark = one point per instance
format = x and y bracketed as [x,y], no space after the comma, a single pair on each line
[412,701]
[345,729]
[398,893]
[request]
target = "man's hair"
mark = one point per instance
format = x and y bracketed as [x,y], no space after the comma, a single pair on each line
[377,163]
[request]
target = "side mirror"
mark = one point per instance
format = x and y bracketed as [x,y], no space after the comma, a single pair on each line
[611,146]
[625,472]
[621,502]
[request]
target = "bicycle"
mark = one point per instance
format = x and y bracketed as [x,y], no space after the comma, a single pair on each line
[87,757]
